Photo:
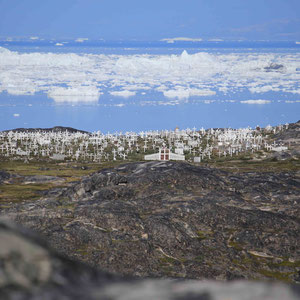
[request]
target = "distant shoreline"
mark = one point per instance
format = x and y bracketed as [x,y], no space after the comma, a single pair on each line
[74,130]
[55,129]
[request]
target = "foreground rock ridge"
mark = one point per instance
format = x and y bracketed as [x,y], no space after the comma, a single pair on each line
[167,219]
[31,270]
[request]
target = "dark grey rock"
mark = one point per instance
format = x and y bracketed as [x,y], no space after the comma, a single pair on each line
[291,134]
[289,137]
[30,270]
[41,179]
[274,67]
[54,129]
[4,176]
[167,219]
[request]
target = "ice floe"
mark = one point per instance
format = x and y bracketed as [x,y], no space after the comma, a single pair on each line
[74,94]
[216,40]
[124,93]
[292,101]
[81,40]
[187,93]
[181,39]
[256,101]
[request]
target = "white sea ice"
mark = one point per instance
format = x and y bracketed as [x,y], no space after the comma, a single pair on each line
[209,101]
[124,93]
[181,39]
[4,50]
[81,40]
[295,91]
[264,89]
[187,93]
[256,101]
[175,76]
[215,40]
[74,94]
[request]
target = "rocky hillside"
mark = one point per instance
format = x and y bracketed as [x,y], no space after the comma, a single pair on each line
[292,134]
[30,270]
[53,129]
[166,219]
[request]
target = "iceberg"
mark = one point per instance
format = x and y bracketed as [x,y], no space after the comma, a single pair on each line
[124,93]
[4,51]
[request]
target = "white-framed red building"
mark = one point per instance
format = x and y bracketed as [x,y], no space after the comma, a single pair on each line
[164,154]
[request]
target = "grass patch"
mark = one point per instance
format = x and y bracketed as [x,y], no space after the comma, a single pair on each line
[22,192]
[199,258]
[244,165]
[276,275]
[68,206]
[203,235]
[285,263]
[235,245]
[68,171]
[83,250]
[166,260]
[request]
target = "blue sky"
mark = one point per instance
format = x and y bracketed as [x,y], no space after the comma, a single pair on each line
[151,20]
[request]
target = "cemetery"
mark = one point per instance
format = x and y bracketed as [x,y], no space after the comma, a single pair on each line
[112,200]
[193,145]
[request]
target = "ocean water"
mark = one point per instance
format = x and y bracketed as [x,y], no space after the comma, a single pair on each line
[135,86]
